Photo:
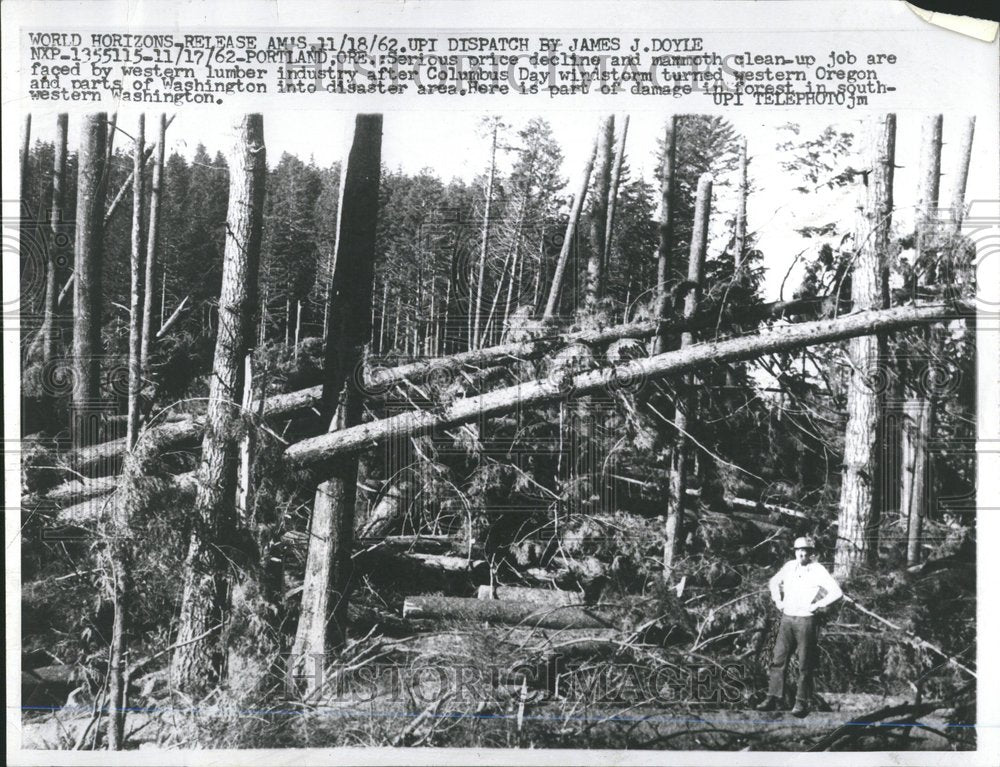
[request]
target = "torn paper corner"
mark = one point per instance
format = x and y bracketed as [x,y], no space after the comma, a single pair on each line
[980,29]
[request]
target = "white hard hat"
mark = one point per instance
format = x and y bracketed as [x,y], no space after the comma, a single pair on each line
[805,542]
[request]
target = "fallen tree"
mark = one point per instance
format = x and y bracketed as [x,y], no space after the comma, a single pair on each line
[314,452]
[506,613]
[106,457]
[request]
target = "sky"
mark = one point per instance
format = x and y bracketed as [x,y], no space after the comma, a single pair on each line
[452,144]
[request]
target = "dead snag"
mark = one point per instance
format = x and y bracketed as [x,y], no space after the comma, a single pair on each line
[89,263]
[674,533]
[329,567]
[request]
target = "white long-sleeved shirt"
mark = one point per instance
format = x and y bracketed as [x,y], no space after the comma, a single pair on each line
[800,585]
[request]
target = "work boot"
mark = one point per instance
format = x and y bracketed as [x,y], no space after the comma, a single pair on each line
[801,709]
[770,703]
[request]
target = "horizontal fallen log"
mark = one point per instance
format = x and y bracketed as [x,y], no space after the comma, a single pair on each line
[530,596]
[506,613]
[316,451]
[107,456]
[746,503]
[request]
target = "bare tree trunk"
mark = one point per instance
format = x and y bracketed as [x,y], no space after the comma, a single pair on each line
[517,265]
[918,409]
[112,134]
[136,322]
[120,565]
[56,267]
[89,262]
[381,323]
[155,193]
[298,328]
[198,665]
[487,221]
[675,533]
[329,569]
[919,415]
[962,173]
[860,500]
[599,213]
[666,231]
[740,235]
[574,219]
[25,158]
[616,177]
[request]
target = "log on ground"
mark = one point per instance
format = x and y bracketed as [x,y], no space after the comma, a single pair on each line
[506,613]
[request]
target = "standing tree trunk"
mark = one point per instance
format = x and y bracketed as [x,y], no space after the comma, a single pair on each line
[918,407]
[25,159]
[136,322]
[517,266]
[56,270]
[675,533]
[574,219]
[666,232]
[860,499]
[155,193]
[89,261]
[962,174]
[487,221]
[120,564]
[599,213]
[616,177]
[740,235]
[198,662]
[329,568]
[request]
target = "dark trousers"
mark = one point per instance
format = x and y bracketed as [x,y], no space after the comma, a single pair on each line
[794,634]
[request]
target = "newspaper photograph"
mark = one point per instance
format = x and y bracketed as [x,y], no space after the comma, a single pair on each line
[525,383]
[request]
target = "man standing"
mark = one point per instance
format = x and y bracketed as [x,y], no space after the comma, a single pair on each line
[795,589]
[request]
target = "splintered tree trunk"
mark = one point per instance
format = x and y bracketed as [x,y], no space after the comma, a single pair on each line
[616,177]
[127,184]
[155,193]
[599,213]
[675,533]
[484,249]
[860,501]
[574,219]
[89,261]
[918,409]
[329,568]
[56,270]
[666,232]
[198,663]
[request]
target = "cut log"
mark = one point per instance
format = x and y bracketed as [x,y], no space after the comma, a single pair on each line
[528,596]
[506,613]
[311,453]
